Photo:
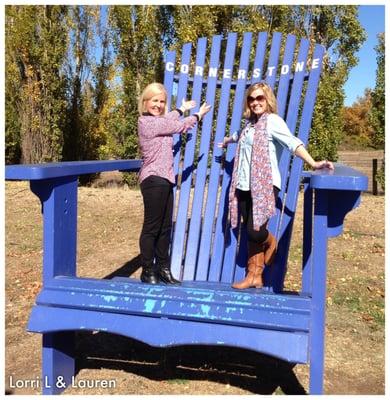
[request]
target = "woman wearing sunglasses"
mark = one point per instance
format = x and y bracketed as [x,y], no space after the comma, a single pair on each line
[256,179]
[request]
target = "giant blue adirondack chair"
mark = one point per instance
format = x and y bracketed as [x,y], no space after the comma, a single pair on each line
[206,253]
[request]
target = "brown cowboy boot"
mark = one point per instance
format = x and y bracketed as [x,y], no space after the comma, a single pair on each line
[255,268]
[270,245]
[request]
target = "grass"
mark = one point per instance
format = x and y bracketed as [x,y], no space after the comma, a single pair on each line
[109,225]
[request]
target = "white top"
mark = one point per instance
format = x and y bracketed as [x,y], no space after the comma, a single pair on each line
[279,137]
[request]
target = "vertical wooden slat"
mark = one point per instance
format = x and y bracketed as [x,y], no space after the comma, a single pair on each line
[186,177]
[220,228]
[259,57]
[208,222]
[284,74]
[296,168]
[291,120]
[257,69]
[201,170]
[285,159]
[273,60]
[181,94]
[169,74]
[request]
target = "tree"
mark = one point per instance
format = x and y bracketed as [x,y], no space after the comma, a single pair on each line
[377,116]
[357,131]
[138,35]
[78,144]
[36,40]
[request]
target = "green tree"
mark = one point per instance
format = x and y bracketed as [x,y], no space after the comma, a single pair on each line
[338,29]
[138,35]
[36,40]
[335,27]
[78,144]
[377,117]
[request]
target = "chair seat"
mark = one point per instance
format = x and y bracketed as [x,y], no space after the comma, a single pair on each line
[191,301]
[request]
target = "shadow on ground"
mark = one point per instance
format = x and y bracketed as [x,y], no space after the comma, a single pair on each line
[245,369]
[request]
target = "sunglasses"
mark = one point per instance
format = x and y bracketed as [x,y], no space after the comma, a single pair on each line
[258,98]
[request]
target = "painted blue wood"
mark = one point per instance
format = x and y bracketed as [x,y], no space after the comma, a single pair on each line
[258,63]
[194,229]
[68,168]
[177,251]
[58,361]
[246,310]
[214,177]
[285,160]
[241,260]
[307,260]
[291,121]
[286,223]
[169,75]
[204,309]
[59,207]
[284,80]
[181,94]
[219,245]
[273,60]
[289,346]
[319,292]
[342,178]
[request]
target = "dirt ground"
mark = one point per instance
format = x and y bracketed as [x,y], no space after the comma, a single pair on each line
[109,223]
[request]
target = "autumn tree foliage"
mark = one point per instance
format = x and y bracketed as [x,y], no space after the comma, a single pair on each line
[358,134]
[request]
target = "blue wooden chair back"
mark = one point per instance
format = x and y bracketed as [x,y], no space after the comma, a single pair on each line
[204,247]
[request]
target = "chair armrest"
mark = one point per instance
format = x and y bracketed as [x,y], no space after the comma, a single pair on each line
[337,193]
[342,178]
[31,172]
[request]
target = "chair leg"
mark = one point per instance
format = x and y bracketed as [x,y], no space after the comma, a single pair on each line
[58,362]
[316,376]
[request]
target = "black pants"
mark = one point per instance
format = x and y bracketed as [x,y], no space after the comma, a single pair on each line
[155,237]
[246,209]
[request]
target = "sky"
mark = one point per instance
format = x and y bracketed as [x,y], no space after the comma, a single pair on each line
[372,18]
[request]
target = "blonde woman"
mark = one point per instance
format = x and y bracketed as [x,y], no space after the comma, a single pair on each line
[256,179]
[155,130]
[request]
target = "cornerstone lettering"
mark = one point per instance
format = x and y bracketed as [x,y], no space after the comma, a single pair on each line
[242,73]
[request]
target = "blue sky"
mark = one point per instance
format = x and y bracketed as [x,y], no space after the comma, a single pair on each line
[372,18]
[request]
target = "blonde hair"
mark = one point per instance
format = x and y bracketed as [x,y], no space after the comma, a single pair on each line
[272,106]
[153,89]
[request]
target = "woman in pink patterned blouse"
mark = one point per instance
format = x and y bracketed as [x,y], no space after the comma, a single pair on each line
[155,130]
[256,178]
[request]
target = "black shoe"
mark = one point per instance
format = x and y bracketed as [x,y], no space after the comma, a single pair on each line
[165,275]
[148,275]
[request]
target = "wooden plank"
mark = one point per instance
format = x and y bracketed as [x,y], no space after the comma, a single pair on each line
[184,303]
[284,75]
[216,272]
[242,255]
[291,121]
[159,332]
[273,60]
[58,197]
[169,74]
[258,63]
[211,292]
[296,169]
[188,165]
[181,94]
[35,172]
[194,229]
[212,193]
